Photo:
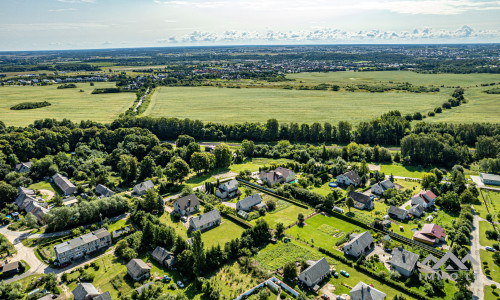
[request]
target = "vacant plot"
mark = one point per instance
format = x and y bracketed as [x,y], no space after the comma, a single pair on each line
[259,104]
[492,199]
[287,216]
[483,227]
[225,232]
[323,231]
[491,269]
[403,171]
[66,103]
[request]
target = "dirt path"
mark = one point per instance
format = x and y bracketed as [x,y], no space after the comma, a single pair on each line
[48,194]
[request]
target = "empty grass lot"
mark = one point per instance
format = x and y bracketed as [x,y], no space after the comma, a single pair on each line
[259,104]
[322,231]
[487,256]
[483,227]
[66,103]
[287,216]
[403,171]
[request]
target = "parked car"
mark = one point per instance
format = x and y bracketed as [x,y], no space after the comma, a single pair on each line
[344,272]
[388,250]
[184,219]
[166,278]
[64,265]
[490,248]
[325,297]
[180,284]
[336,275]
[340,298]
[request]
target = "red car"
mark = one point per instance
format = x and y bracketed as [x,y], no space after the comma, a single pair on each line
[64,265]
[325,297]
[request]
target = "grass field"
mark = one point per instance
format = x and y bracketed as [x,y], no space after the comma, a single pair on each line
[404,171]
[487,256]
[287,216]
[259,104]
[66,103]
[483,227]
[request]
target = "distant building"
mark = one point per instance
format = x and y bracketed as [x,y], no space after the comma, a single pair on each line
[278,175]
[403,261]
[64,184]
[138,270]
[361,201]
[349,178]
[23,167]
[143,187]
[490,179]
[380,187]
[363,291]
[82,245]
[359,244]
[227,190]
[187,205]
[251,202]
[205,221]
[103,191]
[315,273]
[164,257]
[430,234]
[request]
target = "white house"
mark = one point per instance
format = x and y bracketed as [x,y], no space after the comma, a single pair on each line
[349,178]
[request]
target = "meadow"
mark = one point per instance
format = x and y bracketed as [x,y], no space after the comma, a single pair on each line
[287,216]
[66,103]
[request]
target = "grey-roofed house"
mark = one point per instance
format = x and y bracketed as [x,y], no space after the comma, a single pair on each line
[164,257]
[315,273]
[359,244]
[278,175]
[349,178]
[187,205]
[491,179]
[143,187]
[24,197]
[38,210]
[397,212]
[361,201]
[247,203]
[403,261]
[85,291]
[104,296]
[23,167]
[64,184]
[82,245]
[380,187]
[10,268]
[227,189]
[103,191]
[137,269]
[205,221]
[416,210]
[363,291]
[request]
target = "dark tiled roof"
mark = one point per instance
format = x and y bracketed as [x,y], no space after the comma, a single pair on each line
[136,267]
[353,176]
[317,270]
[397,211]
[404,259]
[206,218]
[365,292]
[188,201]
[358,197]
[249,201]
[62,182]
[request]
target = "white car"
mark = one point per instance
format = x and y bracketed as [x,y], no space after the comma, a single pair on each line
[180,284]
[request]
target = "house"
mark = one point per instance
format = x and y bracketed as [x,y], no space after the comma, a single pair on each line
[10,268]
[490,179]
[105,296]
[361,201]
[23,167]
[403,261]
[141,188]
[424,198]
[205,221]
[315,273]
[138,270]
[29,202]
[359,244]
[397,213]
[349,178]
[363,291]
[164,257]
[82,245]
[430,234]
[416,210]
[227,190]
[278,175]
[24,197]
[250,202]
[103,191]
[85,291]
[187,205]
[380,187]
[64,184]
[38,209]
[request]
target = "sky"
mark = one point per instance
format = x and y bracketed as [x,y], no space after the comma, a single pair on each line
[93,24]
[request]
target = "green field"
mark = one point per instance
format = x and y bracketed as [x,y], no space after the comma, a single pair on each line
[287,216]
[66,103]
[487,256]
[483,227]
[259,104]
[404,171]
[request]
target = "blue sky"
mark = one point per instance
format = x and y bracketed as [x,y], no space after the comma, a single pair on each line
[84,24]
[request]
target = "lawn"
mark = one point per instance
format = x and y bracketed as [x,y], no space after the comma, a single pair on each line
[490,294]
[404,171]
[322,231]
[9,248]
[45,185]
[407,184]
[287,216]
[483,227]
[117,225]
[66,103]
[492,199]
[211,104]
[487,256]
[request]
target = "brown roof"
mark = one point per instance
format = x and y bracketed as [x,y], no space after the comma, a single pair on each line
[10,266]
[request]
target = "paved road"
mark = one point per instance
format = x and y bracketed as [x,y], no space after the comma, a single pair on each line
[478,286]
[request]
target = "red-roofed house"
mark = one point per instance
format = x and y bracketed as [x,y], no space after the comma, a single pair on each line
[430,234]
[424,198]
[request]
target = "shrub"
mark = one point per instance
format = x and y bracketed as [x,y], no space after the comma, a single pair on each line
[30,105]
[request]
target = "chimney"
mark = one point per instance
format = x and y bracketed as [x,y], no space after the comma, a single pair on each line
[189,203]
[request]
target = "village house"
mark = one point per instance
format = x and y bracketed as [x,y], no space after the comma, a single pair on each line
[490,179]
[138,270]
[278,175]
[363,291]
[397,213]
[103,191]
[64,184]
[359,244]
[251,202]
[380,187]
[361,201]
[205,221]
[416,210]
[164,257]
[403,261]
[424,198]
[430,234]
[24,197]
[28,201]
[227,190]
[82,245]
[141,188]
[315,273]
[187,205]
[10,268]
[23,167]
[349,178]
[87,291]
